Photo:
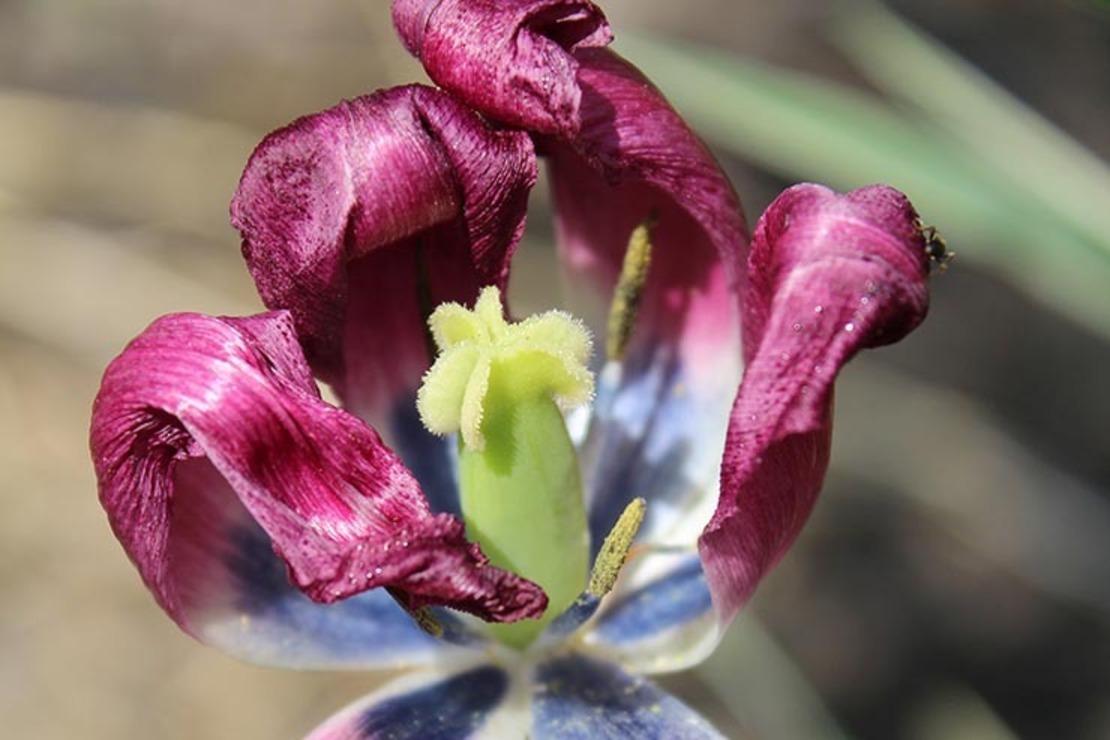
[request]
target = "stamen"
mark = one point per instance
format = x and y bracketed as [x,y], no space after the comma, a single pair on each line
[614,551]
[428,623]
[630,289]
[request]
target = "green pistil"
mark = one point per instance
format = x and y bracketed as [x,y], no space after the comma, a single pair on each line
[501,387]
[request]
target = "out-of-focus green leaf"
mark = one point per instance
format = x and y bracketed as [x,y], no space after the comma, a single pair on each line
[1033,154]
[811,129]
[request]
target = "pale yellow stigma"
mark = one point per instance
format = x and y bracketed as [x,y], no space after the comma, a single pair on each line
[485,359]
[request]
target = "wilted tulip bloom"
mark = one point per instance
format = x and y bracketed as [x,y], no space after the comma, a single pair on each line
[600,515]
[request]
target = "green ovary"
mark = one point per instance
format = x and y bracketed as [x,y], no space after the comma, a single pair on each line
[501,387]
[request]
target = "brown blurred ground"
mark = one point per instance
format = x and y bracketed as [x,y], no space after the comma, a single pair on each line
[952,583]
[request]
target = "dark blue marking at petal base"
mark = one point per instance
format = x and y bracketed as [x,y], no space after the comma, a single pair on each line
[455,708]
[430,458]
[285,627]
[580,697]
[676,598]
[642,440]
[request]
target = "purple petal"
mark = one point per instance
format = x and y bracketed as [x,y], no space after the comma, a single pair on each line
[510,59]
[423,706]
[197,407]
[581,697]
[362,218]
[829,275]
[635,157]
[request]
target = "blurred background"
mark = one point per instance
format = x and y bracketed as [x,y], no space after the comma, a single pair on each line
[954,581]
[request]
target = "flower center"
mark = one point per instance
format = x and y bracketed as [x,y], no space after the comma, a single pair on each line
[502,386]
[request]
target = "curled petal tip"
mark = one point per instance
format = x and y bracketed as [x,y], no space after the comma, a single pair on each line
[410,19]
[866,243]
[352,216]
[828,275]
[513,61]
[207,429]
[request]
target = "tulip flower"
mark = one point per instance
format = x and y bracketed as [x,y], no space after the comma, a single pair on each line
[521,527]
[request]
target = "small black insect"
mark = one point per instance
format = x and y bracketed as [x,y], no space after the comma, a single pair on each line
[936,249]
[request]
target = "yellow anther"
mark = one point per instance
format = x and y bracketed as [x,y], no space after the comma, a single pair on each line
[614,551]
[428,623]
[630,289]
